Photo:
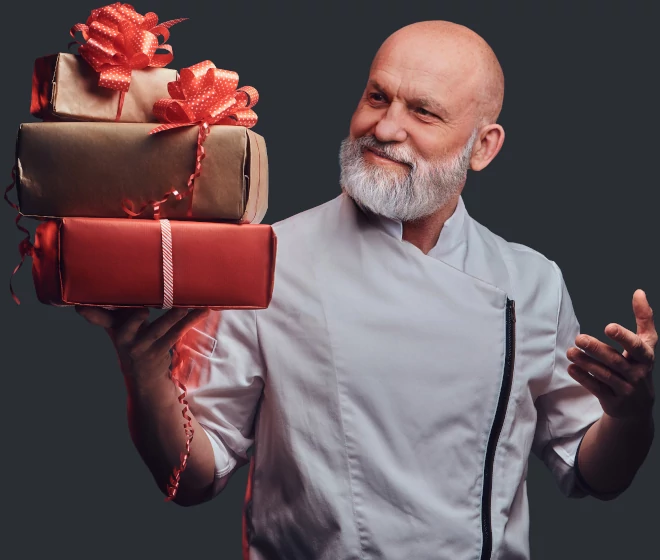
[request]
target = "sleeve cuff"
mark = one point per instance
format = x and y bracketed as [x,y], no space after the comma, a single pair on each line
[225,463]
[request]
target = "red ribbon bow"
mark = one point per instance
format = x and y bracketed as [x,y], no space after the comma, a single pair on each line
[119,40]
[203,95]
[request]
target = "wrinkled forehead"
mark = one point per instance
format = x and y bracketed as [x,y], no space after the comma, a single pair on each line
[445,73]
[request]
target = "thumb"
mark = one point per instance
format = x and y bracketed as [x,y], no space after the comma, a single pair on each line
[644,317]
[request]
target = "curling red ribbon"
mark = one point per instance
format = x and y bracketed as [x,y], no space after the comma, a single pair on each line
[119,40]
[25,247]
[202,95]
[175,477]
[127,205]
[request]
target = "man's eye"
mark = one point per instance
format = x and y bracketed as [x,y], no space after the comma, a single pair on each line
[376,97]
[425,112]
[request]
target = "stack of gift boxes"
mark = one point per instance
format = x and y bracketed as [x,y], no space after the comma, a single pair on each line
[148,183]
[137,213]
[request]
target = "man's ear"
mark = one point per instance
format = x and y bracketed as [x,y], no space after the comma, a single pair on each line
[488,144]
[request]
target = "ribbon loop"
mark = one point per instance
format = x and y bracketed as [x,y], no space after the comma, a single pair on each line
[204,93]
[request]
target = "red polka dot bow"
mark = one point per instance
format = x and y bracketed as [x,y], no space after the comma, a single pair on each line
[119,40]
[206,94]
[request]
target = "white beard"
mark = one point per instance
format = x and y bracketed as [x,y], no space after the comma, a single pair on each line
[397,194]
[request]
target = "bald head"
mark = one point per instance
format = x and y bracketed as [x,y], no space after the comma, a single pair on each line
[461,60]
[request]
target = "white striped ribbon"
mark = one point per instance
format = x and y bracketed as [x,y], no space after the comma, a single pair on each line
[168,264]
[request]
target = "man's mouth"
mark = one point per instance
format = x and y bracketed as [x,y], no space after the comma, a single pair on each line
[382,155]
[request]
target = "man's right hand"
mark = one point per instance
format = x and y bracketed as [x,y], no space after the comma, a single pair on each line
[154,411]
[143,348]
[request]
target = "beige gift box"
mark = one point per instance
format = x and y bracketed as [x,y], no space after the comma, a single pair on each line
[87,169]
[65,88]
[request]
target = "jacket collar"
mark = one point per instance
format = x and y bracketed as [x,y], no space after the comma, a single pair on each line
[453,231]
[480,250]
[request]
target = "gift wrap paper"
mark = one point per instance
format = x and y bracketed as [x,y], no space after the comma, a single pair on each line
[65,87]
[116,262]
[78,169]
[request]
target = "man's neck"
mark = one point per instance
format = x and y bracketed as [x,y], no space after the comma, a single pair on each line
[425,232]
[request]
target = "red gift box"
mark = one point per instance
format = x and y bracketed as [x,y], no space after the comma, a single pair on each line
[135,263]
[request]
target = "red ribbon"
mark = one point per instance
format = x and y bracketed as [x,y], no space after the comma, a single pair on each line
[119,40]
[202,95]
[25,247]
[175,477]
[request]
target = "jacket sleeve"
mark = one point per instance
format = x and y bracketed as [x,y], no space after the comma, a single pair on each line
[566,410]
[219,362]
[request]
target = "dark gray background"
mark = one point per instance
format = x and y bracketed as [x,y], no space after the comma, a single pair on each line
[575,180]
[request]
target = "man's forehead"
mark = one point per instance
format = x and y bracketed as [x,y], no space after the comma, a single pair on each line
[446,65]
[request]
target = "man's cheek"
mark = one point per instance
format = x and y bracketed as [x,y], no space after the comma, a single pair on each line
[361,123]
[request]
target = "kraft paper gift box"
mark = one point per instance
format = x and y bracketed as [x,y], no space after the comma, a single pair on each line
[153,263]
[88,169]
[65,88]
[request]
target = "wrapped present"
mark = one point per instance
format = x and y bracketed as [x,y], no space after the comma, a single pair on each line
[119,74]
[90,169]
[65,87]
[153,263]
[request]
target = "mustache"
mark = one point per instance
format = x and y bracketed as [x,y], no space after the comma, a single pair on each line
[387,149]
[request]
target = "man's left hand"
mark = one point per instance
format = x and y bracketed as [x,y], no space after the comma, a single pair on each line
[622,382]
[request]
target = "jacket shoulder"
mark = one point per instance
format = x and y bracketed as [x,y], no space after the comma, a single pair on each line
[524,264]
[309,222]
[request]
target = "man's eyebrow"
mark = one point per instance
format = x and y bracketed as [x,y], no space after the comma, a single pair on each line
[424,101]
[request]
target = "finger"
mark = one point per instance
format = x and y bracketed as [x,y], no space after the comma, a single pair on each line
[158,328]
[644,318]
[595,387]
[599,370]
[128,330]
[164,324]
[105,317]
[634,345]
[169,339]
[96,315]
[605,354]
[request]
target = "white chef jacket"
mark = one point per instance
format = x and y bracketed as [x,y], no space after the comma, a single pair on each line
[392,398]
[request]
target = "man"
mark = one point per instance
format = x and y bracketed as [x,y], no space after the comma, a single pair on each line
[410,359]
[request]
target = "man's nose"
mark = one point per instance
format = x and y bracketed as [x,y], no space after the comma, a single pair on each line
[390,126]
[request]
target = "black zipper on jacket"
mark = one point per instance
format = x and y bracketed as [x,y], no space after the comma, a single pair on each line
[496,429]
